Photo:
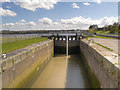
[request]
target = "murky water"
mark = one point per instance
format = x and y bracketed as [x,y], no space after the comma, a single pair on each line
[62,73]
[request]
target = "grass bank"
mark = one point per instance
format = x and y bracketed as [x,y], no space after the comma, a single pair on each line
[11,46]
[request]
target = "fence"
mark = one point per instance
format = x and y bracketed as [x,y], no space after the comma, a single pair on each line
[110,35]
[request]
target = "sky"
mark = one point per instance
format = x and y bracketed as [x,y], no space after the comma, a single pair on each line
[54,15]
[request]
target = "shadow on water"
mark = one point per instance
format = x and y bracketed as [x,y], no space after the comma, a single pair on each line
[76,76]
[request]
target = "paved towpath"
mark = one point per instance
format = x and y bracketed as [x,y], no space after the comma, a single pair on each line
[110,43]
[113,44]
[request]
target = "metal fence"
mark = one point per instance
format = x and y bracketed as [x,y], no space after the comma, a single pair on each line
[110,35]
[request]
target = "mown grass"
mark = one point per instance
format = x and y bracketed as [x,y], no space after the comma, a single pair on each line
[102,32]
[100,37]
[11,46]
[11,39]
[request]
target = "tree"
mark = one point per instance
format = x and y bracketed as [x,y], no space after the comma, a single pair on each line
[93,28]
[116,24]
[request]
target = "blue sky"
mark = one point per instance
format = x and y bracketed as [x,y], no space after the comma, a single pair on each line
[61,10]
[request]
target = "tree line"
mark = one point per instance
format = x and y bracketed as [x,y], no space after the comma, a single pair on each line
[38,31]
[113,29]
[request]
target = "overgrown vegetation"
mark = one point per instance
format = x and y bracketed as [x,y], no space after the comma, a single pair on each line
[11,46]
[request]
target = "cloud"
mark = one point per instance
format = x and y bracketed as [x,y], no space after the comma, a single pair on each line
[98,1]
[34,4]
[76,20]
[87,4]
[119,19]
[8,7]
[22,21]
[31,24]
[75,5]
[2,1]
[88,21]
[45,21]
[6,12]
[65,24]
[21,25]
[105,21]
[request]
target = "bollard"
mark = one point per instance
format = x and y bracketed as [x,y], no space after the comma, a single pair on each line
[4,56]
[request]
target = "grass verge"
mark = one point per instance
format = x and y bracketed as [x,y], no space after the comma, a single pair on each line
[11,46]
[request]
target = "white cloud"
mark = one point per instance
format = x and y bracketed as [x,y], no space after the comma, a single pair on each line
[48,24]
[98,1]
[75,5]
[105,21]
[31,23]
[6,12]
[8,7]
[22,21]
[87,4]
[2,1]
[45,20]
[88,21]
[119,19]
[76,21]
[34,4]
[21,25]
